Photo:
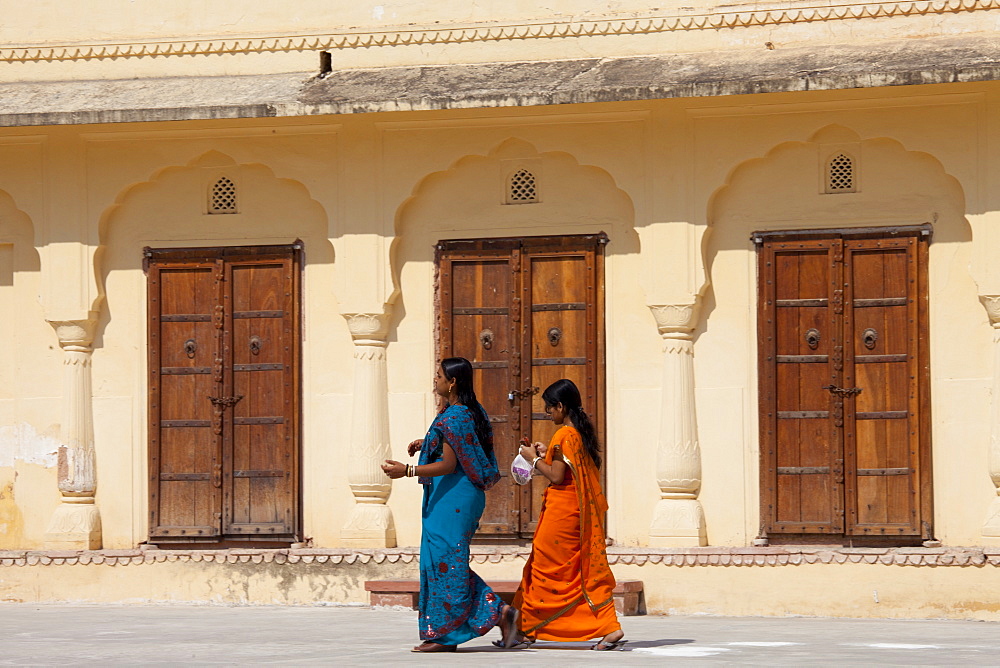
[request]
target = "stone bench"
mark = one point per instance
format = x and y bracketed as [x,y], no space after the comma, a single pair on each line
[406,593]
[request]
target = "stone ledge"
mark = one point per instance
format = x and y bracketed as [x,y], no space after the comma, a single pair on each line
[638,556]
[737,71]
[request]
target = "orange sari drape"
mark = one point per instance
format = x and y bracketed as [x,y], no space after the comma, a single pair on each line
[566,590]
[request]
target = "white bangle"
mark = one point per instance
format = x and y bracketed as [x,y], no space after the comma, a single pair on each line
[534,462]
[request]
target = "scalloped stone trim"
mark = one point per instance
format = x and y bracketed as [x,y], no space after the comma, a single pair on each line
[706,556]
[493,32]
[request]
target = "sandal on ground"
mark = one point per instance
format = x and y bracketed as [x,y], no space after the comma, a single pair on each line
[523,643]
[511,629]
[434,647]
[604,646]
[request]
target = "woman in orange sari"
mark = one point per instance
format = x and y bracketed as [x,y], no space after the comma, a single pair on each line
[566,591]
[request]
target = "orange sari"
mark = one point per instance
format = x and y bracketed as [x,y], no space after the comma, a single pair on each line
[566,591]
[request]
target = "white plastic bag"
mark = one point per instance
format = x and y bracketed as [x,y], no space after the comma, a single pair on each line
[520,470]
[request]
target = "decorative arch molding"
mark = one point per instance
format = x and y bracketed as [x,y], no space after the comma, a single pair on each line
[795,174]
[170,208]
[784,189]
[17,227]
[196,179]
[470,199]
[179,196]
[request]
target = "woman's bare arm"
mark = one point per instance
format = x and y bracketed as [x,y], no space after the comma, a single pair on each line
[395,469]
[554,472]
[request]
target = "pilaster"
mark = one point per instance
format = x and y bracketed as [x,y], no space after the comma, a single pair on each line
[370,523]
[678,519]
[76,523]
[991,528]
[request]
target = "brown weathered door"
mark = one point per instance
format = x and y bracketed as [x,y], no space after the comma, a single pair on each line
[481,321]
[526,312]
[223,399]
[843,372]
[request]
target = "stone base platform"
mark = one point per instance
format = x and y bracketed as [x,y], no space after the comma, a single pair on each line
[629,600]
[914,582]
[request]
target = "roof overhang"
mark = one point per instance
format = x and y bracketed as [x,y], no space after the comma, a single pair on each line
[967,58]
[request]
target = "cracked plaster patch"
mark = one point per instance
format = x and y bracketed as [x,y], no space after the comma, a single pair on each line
[22,443]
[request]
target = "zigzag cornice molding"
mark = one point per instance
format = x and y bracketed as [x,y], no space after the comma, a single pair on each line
[489,32]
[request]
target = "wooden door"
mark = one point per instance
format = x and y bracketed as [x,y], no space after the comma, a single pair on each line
[481,321]
[223,399]
[525,312]
[844,389]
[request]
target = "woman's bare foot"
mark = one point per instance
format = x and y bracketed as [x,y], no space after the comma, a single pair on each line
[611,641]
[614,636]
[503,618]
[510,622]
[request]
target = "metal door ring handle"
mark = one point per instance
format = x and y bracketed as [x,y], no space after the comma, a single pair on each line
[812,338]
[870,338]
[486,338]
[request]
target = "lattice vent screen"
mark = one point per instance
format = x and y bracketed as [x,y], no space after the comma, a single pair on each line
[840,175]
[522,188]
[223,197]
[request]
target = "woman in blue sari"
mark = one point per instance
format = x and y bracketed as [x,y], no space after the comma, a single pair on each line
[456,467]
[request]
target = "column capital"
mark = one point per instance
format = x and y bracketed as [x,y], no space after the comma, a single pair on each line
[992,305]
[678,319]
[369,328]
[76,334]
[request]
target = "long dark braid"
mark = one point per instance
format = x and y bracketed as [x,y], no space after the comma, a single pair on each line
[565,392]
[459,370]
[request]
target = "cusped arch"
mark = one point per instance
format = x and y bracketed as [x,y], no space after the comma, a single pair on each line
[174,205]
[789,183]
[191,185]
[470,198]
[784,189]
[16,227]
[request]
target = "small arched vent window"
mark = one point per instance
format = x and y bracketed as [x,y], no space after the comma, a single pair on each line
[840,176]
[522,188]
[223,198]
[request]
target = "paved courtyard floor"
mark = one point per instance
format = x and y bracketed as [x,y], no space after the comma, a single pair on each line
[103,635]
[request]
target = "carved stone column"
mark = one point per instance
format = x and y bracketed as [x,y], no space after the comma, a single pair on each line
[678,520]
[992,525]
[76,523]
[370,523]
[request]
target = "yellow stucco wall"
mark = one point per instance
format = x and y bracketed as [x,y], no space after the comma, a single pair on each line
[677,185]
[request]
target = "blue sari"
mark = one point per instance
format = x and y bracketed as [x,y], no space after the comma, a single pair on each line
[455,604]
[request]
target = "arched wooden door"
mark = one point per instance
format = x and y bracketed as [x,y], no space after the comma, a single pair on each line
[223,395]
[526,312]
[844,382]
